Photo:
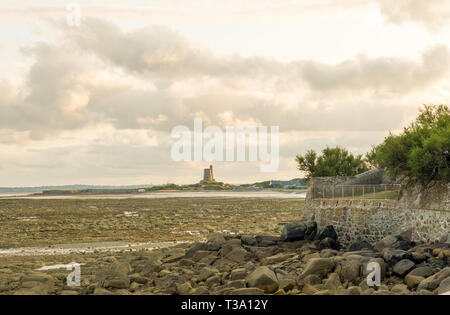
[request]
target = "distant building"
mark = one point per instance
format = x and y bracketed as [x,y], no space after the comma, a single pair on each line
[208,175]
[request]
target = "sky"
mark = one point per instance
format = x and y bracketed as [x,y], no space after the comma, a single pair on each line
[96,103]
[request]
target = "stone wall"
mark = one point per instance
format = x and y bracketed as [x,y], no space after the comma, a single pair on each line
[426,212]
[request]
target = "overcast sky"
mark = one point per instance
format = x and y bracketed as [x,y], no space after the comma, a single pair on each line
[96,104]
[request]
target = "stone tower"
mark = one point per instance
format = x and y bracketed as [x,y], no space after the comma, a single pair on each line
[208,175]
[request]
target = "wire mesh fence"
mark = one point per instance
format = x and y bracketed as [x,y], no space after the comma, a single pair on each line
[380,191]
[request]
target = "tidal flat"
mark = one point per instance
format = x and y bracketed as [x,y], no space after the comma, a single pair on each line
[36,233]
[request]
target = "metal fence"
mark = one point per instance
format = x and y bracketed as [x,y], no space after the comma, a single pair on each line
[355,191]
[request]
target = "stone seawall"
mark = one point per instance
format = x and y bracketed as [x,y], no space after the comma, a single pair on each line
[371,220]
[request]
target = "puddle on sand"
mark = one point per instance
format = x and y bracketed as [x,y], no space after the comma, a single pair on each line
[65,249]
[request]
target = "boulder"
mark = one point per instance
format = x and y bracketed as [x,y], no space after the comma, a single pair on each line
[353,290]
[328,231]
[333,283]
[184,288]
[444,286]
[238,274]
[280,257]
[248,240]
[264,279]
[424,271]
[413,281]
[265,241]
[116,276]
[318,266]
[237,254]
[196,247]
[403,267]
[294,232]
[216,241]
[247,291]
[328,242]
[349,270]
[311,231]
[393,256]
[432,283]
[359,245]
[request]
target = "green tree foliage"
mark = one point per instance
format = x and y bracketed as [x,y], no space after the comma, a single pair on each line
[333,162]
[417,151]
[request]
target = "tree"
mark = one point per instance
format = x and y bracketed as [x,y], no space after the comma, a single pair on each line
[333,162]
[418,151]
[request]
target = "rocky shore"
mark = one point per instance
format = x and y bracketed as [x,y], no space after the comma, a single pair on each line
[302,260]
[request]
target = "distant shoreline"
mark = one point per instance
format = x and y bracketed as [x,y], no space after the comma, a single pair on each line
[166,194]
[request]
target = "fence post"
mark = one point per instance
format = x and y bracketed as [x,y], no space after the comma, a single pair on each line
[353,191]
[363,190]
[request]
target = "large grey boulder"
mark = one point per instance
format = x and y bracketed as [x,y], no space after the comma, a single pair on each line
[294,232]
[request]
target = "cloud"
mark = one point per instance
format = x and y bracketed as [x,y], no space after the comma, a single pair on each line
[433,14]
[154,78]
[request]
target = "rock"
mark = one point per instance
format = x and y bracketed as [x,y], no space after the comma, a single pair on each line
[280,292]
[37,283]
[389,241]
[116,276]
[328,231]
[237,254]
[294,232]
[265,241]
[312,280]
[309,289]
[247,291]
[444,286]
[354,290]
[184,289]
[195,248]
[327,253]
[403,267]
[151,265]
[359,245]
[238,274]
[424,292]
[413,281]
[186,262]
[400,289]
[264,279]
[101,291]
[287,284]
[236,284]
[318,266]
[280,257]
[392,256]
[333,283]
[423,271]
[349,270]
[327,242]
[212,281]
[311,231]
[200,254]
[248,240]
[419,257]
[215,242]
[432,283]
[207,272]
[69,292]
